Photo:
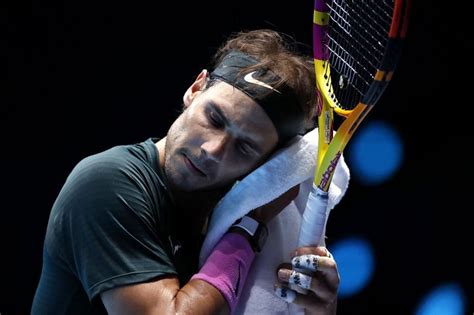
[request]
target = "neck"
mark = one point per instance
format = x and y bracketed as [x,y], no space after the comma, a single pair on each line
[194,206]
[161,145]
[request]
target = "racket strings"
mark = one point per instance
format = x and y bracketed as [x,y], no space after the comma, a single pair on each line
[343,57]
[383,12]
[344,35]
[375,27]
[354,23]
[357,37]
[348,55]
[347,62]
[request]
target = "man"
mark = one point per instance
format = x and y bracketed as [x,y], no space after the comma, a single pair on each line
[125,231]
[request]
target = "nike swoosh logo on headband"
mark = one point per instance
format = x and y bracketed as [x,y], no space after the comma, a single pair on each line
[250,79]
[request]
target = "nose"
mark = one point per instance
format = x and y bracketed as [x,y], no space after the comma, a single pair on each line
[215,146]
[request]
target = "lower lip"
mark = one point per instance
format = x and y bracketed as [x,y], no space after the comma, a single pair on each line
[192,167]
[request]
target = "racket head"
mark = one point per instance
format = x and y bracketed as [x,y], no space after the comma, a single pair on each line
[356,46]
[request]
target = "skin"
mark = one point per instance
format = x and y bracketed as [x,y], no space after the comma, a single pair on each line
[223,151]
[221,136]
[225,134]
[322,295]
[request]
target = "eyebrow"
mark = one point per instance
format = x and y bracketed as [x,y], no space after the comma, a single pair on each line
[225,120]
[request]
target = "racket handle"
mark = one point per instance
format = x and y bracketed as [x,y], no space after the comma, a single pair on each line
[313,224]
[314,218]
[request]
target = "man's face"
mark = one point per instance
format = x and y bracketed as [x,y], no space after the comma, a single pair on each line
[222,135]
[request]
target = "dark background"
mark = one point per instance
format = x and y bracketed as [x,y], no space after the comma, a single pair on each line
[81,76]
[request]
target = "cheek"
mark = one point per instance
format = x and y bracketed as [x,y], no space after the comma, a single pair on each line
[181,127]
[172,138]
[175,138]
[184,134]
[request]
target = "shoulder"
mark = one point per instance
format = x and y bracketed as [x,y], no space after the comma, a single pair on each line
[120,178]
[120,166]
[118,186]
[109,160]
[109,221]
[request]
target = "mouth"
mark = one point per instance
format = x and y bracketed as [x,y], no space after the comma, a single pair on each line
[196,170]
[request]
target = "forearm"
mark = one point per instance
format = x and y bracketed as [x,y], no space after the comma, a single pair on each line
[214,290]
[227,267]
[165,297]
[199,297]
[218,275]
[217,286]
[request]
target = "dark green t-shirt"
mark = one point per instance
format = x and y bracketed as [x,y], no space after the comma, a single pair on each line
[111,225]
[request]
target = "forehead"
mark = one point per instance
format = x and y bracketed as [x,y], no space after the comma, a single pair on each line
[244,114]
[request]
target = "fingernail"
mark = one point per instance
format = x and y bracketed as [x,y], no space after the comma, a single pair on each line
[284,275]
[285,294]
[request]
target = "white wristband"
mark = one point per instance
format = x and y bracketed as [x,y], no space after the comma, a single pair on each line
[248,224]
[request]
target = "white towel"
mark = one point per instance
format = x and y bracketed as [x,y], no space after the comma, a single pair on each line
[289,166]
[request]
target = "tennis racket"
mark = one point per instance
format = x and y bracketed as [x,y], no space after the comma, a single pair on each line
[356,46]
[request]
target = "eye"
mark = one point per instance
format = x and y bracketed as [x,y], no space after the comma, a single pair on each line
[245,148]
[215,120]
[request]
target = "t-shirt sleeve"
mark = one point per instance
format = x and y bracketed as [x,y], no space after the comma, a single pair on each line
[106,224]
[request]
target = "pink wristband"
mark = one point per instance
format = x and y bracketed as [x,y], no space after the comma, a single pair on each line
[227,267]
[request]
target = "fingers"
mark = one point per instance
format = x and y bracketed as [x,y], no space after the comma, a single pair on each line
[312,259]
[317,285]
[320,250]
[309,301]
[313,269]
[294,277]
[313,263]
[308,262]
[285,293]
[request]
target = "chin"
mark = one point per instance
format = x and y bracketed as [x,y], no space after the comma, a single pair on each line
[184,182]
[181,179]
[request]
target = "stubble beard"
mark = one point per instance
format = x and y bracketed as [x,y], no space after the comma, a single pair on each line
[176,177]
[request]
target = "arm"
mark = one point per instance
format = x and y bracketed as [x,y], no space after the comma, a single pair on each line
[164,296]
[214,290]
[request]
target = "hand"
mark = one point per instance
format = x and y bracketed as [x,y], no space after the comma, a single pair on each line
[316,271]
[270,210]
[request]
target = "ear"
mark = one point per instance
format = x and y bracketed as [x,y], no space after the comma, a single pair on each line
[196,88]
